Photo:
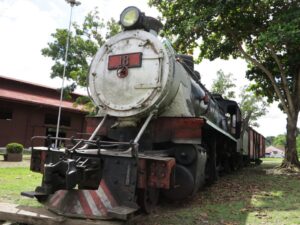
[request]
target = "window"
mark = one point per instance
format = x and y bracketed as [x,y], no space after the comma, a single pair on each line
[234,120]
[65,121]
[51,119]
[52,132]
[6,114]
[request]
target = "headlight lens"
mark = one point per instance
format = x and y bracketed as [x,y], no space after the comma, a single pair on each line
[129,16]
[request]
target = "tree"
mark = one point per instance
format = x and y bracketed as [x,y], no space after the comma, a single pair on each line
[298,144]
[224,85]
[84,43]
[280,141]
[252,106]
[265,33]
[269,140]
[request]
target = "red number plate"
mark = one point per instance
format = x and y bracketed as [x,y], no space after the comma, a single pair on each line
[125,60]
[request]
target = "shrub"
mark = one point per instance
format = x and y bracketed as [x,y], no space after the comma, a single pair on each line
[14,148]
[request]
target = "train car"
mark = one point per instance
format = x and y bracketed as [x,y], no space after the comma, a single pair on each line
[158,131]
[253,146]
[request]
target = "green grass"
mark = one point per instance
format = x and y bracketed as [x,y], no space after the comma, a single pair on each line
[15,180]
[249,197]
[272,160]
[246,197]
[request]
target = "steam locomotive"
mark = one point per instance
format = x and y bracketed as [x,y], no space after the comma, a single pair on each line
[158,131]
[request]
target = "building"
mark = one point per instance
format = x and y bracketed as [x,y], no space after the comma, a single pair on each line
[274,152]
[28,110]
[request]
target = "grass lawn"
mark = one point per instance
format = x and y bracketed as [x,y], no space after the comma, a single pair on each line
[249,197]
[272,160]
[16,177]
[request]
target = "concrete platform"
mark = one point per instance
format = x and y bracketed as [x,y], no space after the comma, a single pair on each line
[41,216]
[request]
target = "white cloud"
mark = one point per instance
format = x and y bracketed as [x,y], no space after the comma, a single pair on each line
[113,8]
[208,70]
[273,123]
[25,31]
[26,26]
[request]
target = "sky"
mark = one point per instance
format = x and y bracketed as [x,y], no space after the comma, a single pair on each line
[26,27]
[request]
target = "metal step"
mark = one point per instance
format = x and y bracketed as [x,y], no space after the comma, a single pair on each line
[121,212]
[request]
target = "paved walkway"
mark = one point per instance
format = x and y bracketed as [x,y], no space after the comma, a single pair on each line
[24,163]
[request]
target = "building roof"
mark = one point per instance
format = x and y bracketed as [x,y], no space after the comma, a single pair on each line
[271,148]
[30,93]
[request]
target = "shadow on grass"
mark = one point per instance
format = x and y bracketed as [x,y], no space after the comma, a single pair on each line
[249,196]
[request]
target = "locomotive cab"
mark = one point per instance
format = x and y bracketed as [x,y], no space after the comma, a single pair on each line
[233,112]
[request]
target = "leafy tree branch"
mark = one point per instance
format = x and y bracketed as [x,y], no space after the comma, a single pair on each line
[85,40]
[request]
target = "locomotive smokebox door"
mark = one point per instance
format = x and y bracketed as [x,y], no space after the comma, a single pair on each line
[129,75]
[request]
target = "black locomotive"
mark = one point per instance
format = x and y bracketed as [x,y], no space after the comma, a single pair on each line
[158,131]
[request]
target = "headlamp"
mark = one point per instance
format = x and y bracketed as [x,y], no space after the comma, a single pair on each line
[130,17]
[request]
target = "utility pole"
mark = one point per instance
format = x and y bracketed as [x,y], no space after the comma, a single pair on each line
[72,4]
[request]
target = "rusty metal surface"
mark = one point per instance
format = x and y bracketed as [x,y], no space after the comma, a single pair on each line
[163,129]
[142,174]
[155,173]
[256,144]
[176,129]
[160,174]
